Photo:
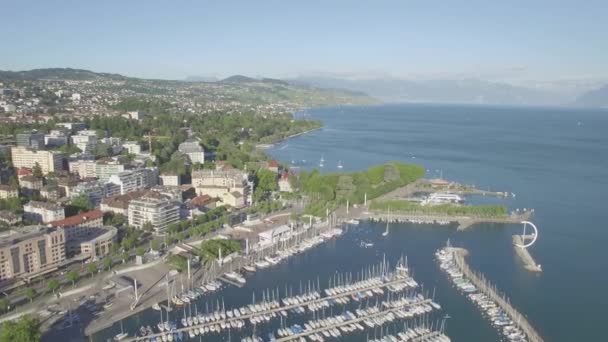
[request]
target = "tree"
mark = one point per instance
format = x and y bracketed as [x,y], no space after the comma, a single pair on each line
[23,330]
[92,269]
[140,251]
[266,183]
[53,285]
[72,276]
[148,227]
[107,263]
[81,204]
[155,245]
[4,304]
[30,293]
[124,257]
[37,171]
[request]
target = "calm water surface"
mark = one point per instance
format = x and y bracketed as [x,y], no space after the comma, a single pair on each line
[554,160]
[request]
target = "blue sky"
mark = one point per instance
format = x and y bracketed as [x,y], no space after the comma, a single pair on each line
[172,39]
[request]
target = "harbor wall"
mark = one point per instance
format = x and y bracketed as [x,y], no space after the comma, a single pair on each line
[483,286]
[525,256]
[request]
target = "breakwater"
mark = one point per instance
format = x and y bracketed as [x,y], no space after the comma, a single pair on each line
[529,262]
[489,290]
[463,222]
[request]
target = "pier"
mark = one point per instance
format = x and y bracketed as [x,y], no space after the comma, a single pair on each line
[484,287]
[353,321]
[529,262]
[463,222]
[393,282]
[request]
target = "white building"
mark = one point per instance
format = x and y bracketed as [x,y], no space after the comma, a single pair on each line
[218,183]
[132,147]
[193,149]
[76,97]
[85,140]
[135,115]
[43,212]
[132,180]
[159,212]
[272,236]
[56,138]
[49,161]
[170,179]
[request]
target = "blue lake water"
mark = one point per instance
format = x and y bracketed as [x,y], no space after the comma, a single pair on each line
[554,160]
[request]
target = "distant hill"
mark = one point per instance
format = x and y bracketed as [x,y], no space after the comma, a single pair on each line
[201,79]
[57,74]
[238,88]
[438,91]
[238,79]
[594,98]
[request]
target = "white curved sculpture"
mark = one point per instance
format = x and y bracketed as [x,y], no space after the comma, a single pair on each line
[534,237]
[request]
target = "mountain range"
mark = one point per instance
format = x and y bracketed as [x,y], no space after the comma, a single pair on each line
[472,91]
[385,89]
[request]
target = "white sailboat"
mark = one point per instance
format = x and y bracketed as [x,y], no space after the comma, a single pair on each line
[388,220]
[322,161]
[340,164]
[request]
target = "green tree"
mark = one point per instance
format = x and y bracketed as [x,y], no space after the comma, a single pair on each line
[26,329]
[266,183]
[178,262]
[107,263]
[92,269]
[30,293]
[53,285]
[80,204]
[155,245]
[148,227]
[4,304]
[124,257]
[140,251]
[37,171]
[72,276]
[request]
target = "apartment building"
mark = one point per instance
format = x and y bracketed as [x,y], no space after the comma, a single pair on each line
[30,251]
[132,180]
[160,212]
[43,212]
[85,234]
[49,161]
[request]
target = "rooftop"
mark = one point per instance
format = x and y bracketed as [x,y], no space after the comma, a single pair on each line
[13,236]
[78,219]
[43,205]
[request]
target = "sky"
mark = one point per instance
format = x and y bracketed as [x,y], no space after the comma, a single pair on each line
[494,40]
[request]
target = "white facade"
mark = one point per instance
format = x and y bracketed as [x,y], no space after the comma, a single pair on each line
[132,180]
[49,161]
[194,151]
[85,140]
[132,147]
[43,212]
[159,212]
[170,180]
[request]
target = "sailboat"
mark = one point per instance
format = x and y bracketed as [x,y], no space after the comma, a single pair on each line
[340,164]
[388,220]
[122,334]
[322,161]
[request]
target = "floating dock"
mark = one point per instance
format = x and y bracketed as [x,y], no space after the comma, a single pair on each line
[529,262]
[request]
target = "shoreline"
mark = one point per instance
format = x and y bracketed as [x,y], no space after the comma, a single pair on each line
[272,144]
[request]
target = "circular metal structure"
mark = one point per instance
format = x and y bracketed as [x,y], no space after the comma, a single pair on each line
[534,237]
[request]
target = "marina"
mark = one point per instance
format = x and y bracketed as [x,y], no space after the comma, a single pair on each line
[378,295]
[504,317]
